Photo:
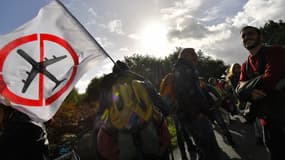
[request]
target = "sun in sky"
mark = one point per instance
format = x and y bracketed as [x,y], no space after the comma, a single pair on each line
[154,38]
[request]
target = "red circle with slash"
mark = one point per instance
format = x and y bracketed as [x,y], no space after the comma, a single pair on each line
[6,50]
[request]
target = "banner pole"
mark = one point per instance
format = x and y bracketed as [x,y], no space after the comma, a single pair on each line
[85,30]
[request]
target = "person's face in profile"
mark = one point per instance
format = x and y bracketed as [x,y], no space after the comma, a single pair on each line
[191,56]
[250,38]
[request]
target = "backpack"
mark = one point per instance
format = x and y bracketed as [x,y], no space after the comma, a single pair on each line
[131,105]
[166,86]
[166,91]
[133,113]
[138,124]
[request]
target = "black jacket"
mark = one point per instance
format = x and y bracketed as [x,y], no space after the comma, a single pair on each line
[190,97]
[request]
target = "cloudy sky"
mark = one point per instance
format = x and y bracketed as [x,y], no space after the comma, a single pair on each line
[157,27]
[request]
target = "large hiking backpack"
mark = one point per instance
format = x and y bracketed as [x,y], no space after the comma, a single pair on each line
[139,125]
[166,86]
[166,91]
[131,105]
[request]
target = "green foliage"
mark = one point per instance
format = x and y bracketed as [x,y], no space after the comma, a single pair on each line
[172,131]
[72,111]
[73,97]
[150,67]
[274,32]
[208,67]
[154,69]
[93,90]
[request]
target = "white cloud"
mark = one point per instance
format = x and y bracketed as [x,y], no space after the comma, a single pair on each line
[104,42]
[91,22]
[124,49]
[217,11]
[83,83]
[134,36]
[116,26]
[211,14]
[258,12]
[92,12]
[254,12]
[188,28]
[216,29]
[180,8]
[210,25]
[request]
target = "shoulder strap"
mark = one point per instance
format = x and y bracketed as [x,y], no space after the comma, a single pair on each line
[262,64]
[166,81]
[261,59]
[247,69]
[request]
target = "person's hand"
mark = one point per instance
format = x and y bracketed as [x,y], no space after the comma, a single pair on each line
[257,94]
[5,101]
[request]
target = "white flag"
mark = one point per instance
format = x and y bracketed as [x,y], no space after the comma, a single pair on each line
[41,61]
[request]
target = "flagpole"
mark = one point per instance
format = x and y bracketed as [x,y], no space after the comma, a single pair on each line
[85,30]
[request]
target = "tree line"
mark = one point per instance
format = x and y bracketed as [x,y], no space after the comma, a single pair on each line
[79,109]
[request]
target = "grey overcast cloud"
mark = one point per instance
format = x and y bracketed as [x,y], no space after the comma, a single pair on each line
[156,27]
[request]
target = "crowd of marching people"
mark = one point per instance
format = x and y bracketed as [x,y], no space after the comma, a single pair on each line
[132,120]
[198,106]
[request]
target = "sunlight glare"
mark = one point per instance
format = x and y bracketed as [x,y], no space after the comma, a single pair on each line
[154,38]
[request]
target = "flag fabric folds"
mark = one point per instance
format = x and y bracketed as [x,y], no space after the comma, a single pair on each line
[42,60]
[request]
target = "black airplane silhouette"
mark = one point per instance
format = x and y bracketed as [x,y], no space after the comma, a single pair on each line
[39,67]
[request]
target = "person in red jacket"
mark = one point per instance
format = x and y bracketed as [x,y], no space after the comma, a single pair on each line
[261,84]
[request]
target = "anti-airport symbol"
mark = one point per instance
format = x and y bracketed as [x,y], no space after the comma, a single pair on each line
[37,95]
[39,67]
